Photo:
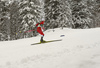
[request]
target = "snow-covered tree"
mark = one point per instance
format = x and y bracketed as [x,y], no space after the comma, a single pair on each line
[80,14]
[4,16]
[30,11]
[94,7]
[98,13]
[14,21]
[10,19]
[57,13]
[85,13]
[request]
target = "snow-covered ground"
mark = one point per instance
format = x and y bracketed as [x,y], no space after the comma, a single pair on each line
[79,48]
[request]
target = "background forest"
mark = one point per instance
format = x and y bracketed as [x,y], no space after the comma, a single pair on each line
[18,16]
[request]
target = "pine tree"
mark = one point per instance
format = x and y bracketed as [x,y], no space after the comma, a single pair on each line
[14,21]
[94,7]
[4,17]
[80,14]
[98,13]
[57,13]
[30,12]
[10,19]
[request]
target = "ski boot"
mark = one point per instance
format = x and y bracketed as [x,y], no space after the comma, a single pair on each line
[42,41]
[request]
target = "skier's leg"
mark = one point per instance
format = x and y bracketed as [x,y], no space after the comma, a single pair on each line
[42,34]
[41,40]
[39,30]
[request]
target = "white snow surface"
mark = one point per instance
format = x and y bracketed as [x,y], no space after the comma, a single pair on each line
[79,48]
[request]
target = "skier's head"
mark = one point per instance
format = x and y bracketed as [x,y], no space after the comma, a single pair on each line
[42,22]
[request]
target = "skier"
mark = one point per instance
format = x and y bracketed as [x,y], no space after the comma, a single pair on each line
[39,30]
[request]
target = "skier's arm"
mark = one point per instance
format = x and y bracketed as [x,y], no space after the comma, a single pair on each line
[37,24]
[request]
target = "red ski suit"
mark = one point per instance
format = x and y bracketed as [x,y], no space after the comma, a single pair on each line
[39,27]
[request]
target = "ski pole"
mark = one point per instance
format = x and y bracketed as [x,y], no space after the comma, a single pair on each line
[29,31]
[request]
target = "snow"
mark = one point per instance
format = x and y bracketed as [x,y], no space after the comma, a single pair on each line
[79,48]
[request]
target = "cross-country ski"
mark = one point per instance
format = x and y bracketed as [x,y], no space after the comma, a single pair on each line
[46,42]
